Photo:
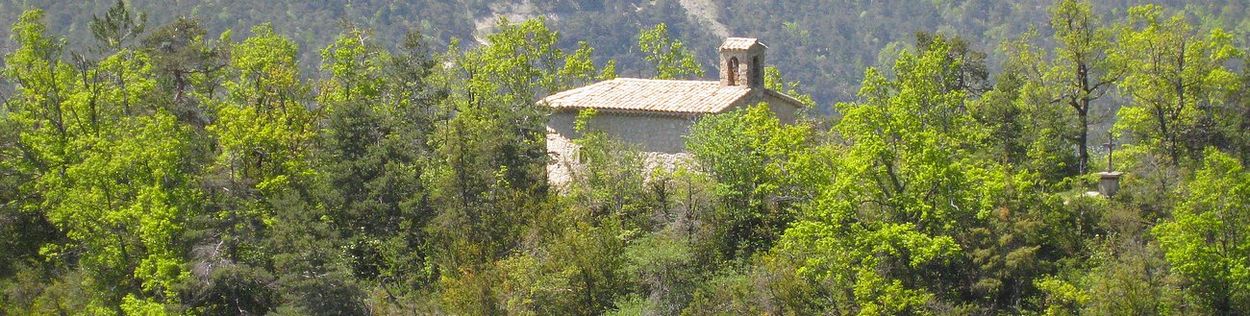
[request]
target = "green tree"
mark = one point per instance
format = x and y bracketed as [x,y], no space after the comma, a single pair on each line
[1174,76]
[773,81]
[967,70]
[1206,240]
[111,172]
[903,192]
[373,152]
[489,172]
[1122,274]
[313,277]
[1028,129]
[264,126]
[118,26]
[261,176]
[1236,117]
[1081,72]
[23,228]
[670,57]
[610,181]
[760,169]
[186,65]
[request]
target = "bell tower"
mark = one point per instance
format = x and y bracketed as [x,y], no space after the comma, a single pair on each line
[742,62]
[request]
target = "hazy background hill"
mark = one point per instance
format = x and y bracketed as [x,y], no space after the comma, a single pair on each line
[825,44]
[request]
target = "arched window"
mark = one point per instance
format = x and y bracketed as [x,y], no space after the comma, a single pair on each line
[733,71]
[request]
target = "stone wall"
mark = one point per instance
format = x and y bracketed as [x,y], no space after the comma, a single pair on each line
[784,111]
[660,138]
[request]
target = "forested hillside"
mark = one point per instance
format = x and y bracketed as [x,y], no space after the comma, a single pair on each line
[389,158]
[824,44]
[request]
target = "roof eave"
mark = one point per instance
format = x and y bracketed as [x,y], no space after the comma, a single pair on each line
[792,100]
[633,112]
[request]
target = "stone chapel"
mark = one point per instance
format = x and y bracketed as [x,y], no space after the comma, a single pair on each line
[655,114]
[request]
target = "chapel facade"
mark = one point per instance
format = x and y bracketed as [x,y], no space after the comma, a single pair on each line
[656,115]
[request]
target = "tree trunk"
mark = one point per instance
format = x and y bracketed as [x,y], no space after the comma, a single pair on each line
[1083,151]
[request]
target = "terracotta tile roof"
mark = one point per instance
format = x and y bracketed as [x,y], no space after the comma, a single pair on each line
[645,95]
[740,43]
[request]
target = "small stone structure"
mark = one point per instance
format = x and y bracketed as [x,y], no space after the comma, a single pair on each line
[1109,181]
[656,115]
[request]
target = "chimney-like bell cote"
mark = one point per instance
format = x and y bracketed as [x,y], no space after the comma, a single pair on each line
[742,62]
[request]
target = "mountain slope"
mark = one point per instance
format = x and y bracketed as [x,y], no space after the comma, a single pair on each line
[826,44]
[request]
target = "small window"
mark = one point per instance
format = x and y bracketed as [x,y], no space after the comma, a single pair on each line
[755,70]
[733,71]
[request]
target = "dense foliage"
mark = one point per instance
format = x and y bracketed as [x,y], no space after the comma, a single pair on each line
[821,43]
[169,167]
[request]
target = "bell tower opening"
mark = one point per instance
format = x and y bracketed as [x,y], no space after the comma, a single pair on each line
[737,53]
[757,70]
